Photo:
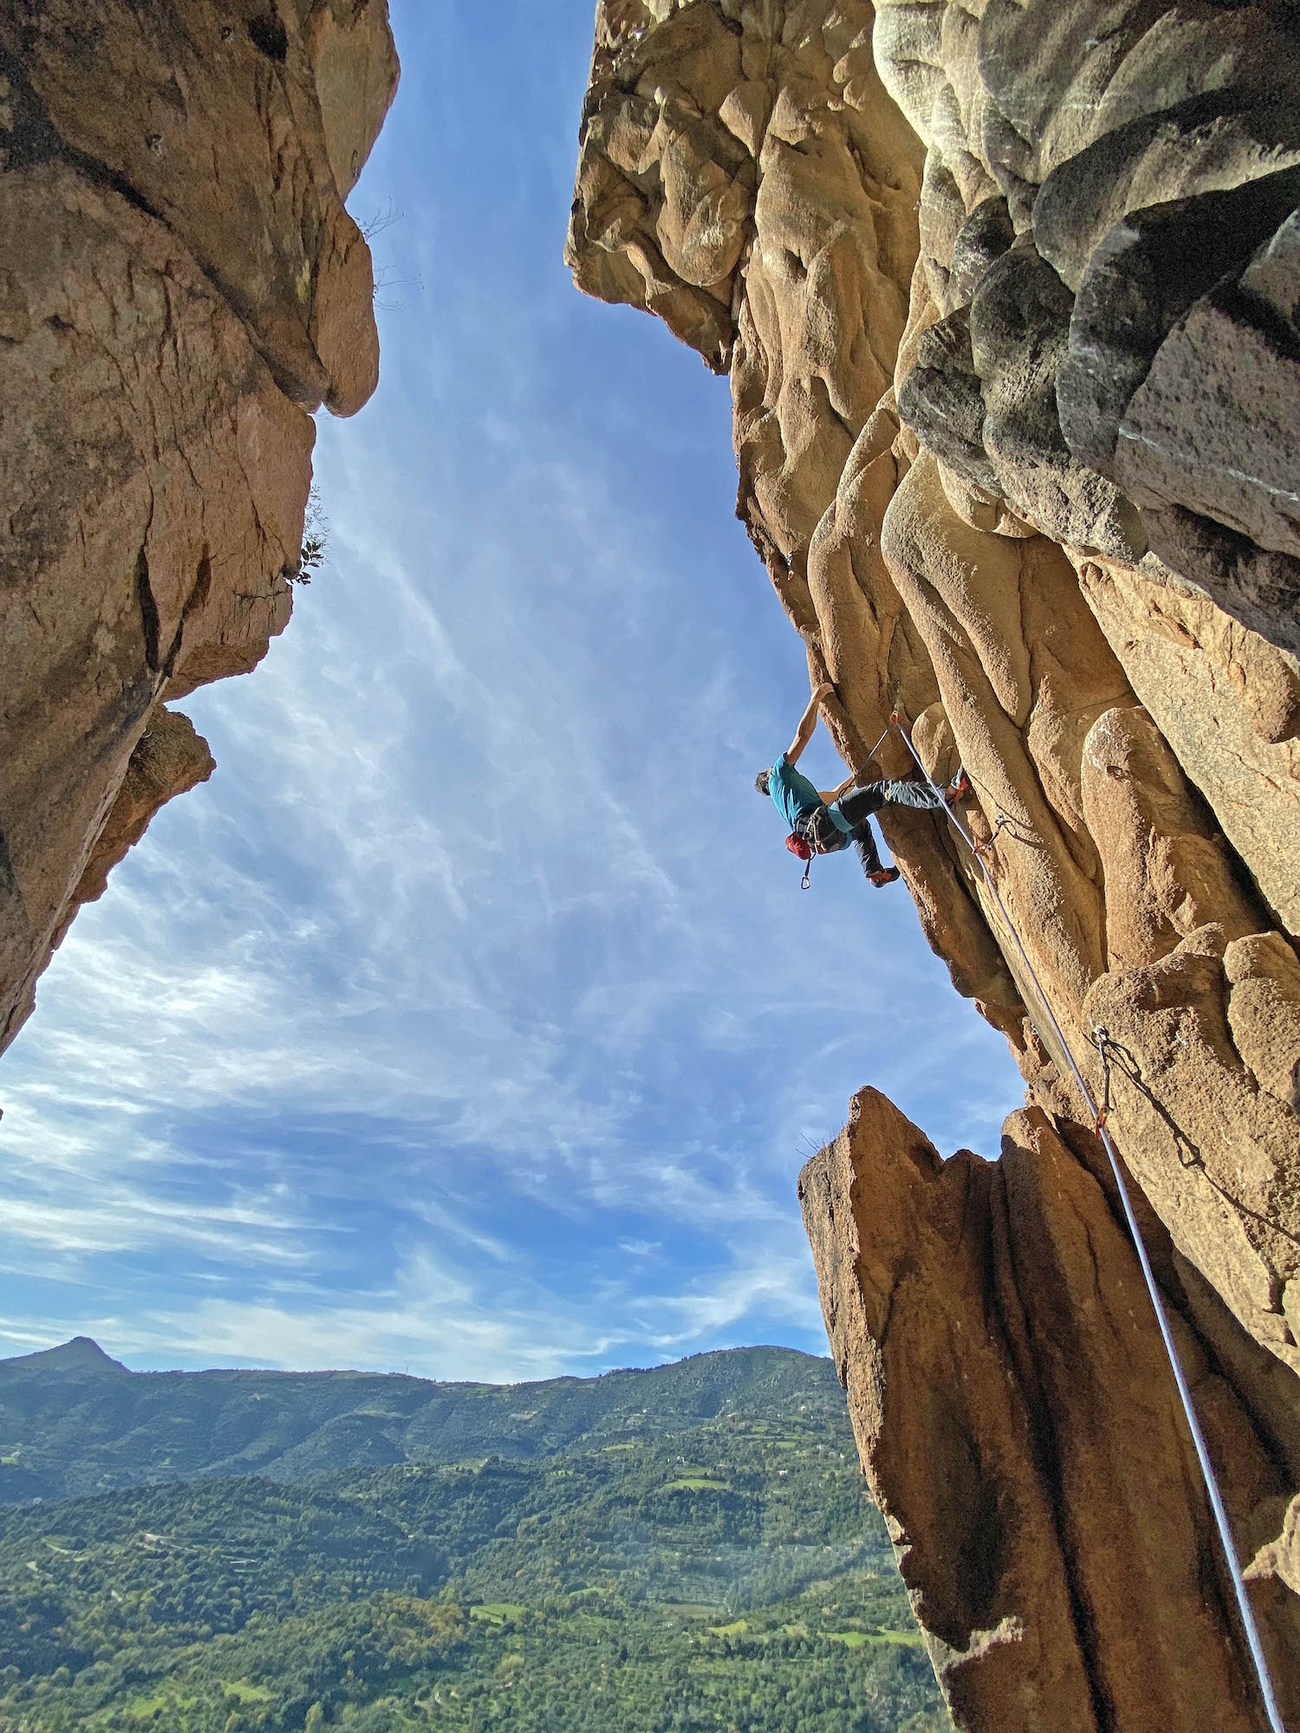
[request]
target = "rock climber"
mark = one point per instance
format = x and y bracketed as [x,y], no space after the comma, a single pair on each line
[826,822]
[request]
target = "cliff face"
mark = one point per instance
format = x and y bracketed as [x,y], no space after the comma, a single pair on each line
[180,288]
[1008,293]
[1020,1426]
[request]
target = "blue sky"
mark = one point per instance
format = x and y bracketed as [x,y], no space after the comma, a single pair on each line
[471,1020]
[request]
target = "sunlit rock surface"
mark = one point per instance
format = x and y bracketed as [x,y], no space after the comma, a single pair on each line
[180,287]
[1009,296]
[1021,1430]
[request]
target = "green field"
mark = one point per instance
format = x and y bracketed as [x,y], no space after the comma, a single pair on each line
[721,1571]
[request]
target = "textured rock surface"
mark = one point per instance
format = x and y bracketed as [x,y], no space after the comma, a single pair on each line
[1045,1501]
[180,287]
[1008,294]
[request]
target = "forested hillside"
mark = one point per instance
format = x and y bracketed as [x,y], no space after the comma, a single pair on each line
[74,1421]
[723,1572]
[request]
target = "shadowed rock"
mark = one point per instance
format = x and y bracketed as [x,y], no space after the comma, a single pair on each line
[181,287]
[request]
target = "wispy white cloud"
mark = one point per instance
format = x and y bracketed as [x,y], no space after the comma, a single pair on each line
[778,1288]
[123,1220]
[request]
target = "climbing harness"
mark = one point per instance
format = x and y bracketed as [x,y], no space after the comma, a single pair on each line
[810,838]
[1099,1118]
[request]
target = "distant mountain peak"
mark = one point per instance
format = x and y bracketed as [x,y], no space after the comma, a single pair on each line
[81,1354]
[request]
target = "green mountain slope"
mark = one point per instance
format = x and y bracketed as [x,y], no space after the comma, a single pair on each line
[699,1554]
[73,1421]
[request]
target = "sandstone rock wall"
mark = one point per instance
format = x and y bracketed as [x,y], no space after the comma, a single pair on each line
[1008,295]
[180,288]
[1021,1429]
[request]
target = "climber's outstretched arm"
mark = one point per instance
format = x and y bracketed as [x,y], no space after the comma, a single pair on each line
[807,723]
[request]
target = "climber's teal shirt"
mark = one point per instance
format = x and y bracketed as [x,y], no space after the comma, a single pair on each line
[795,797]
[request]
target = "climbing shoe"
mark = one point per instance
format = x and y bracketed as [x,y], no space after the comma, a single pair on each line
[885,876]
[959,787]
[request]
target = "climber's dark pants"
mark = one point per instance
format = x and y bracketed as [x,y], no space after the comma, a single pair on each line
[858,805]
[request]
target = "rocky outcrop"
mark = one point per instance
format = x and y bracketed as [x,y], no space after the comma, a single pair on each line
[182,287]
[1021,1431]
[1007,293]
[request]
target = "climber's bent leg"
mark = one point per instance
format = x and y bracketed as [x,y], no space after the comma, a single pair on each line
[865,842]
[918,795]
[856,806]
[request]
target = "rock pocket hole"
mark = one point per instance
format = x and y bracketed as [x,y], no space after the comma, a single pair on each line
[269,36]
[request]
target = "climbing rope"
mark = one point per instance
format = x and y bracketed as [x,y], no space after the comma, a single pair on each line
[1099,1118]
[874,750]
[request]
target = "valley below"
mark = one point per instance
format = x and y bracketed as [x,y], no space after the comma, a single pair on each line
[685,1548]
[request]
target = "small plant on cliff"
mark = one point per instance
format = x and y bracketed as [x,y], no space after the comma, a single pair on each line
[382,220]
[315,538]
